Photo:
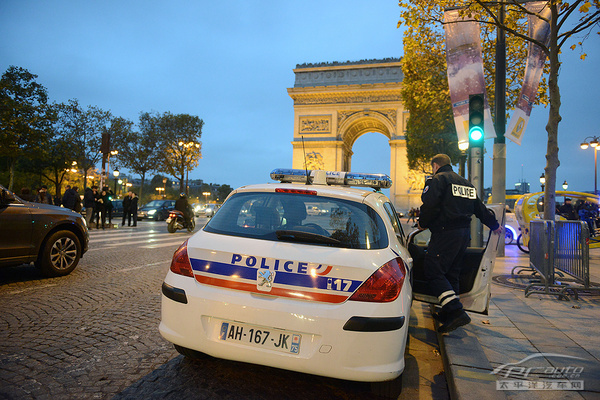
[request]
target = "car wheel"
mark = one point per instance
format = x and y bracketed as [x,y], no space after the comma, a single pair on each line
[156,217]
[60,254]
[189,353]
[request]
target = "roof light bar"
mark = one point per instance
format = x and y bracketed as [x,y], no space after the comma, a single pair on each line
[375,181]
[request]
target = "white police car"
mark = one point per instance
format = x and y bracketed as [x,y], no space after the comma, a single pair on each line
[266,282]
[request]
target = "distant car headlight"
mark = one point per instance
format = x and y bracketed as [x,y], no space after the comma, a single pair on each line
[151,212]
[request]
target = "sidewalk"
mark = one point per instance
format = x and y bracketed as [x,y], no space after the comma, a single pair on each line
[561,339]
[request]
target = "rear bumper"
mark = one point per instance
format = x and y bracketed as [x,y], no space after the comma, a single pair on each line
[335,341]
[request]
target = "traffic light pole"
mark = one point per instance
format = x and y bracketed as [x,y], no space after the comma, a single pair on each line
[476,178]
[499,164]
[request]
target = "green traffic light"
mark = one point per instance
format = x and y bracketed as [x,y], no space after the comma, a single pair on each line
[476,133]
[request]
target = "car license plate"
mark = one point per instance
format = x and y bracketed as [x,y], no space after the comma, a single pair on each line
[273,339]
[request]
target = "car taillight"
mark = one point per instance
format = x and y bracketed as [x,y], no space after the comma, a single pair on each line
[384,285]
[181,263]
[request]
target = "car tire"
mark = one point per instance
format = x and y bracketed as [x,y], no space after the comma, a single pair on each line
[390,389]
[60,254]
[189,353]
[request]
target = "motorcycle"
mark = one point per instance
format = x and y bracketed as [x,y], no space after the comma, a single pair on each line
[177,221]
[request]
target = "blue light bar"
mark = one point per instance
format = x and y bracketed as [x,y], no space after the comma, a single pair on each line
[342,178]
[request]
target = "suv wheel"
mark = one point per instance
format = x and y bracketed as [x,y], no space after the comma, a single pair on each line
[60,254]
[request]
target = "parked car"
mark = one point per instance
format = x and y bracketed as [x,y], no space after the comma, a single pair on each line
[117,210]
[328,294]
[54,238]
[157,210]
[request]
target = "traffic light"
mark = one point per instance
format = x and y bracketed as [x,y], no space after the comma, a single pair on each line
[476,133]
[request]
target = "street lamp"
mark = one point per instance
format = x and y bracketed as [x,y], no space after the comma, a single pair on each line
[565,185]
[116,174]
[206,194]
[543,181]
[594,143]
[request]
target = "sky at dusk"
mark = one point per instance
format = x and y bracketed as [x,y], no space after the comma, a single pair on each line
[231,63]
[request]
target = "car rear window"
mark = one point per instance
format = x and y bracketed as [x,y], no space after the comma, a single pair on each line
[311,219]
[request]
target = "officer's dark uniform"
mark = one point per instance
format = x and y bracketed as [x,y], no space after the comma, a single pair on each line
[449,200]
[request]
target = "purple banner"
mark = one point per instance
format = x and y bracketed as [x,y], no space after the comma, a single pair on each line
[465,72]
[540,31]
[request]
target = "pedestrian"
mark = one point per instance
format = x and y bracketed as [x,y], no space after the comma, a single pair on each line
[89,202]
[411,215]
[133,206]
[100,209]
[449,201]
[77,207]
[43,196]
[108,206]
[69,198]
[126,203]
[26,194]
[568,211]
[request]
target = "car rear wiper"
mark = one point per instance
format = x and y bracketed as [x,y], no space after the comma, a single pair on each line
[302,236]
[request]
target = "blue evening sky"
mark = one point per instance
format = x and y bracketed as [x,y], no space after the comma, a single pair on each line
[231,62]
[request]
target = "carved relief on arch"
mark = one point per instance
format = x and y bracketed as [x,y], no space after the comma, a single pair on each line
[391,115]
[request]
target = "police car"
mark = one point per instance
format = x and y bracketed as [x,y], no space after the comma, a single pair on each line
[266,282]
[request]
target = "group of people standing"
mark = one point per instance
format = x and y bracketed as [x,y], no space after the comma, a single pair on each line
[582,210]
[99,207]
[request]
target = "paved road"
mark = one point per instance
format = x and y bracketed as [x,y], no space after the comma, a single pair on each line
[94,335]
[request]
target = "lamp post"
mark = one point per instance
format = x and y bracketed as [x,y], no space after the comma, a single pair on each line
[206,194]
[116,175]
[187,157]
[543,181]
[594,143]
[565,185]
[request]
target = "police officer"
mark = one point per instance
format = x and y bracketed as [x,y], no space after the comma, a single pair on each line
[449,200]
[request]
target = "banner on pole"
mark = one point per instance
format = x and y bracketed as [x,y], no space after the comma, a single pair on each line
[465,72]
[540,31]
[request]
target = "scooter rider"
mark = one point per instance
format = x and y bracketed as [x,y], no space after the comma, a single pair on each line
[183,205]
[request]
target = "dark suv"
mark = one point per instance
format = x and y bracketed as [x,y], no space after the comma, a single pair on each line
[157,210]
[54,238]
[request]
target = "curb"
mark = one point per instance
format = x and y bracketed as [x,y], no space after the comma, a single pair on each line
[468,371]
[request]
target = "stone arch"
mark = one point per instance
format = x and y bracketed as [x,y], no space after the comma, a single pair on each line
[336,103]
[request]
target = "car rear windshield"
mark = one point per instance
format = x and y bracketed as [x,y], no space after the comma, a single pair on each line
[303,218]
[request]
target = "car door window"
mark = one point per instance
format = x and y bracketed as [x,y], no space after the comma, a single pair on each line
[393,216]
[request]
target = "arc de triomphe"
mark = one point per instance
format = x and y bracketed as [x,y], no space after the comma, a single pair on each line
[336,103]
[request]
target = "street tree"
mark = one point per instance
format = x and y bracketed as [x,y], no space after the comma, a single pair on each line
[569,24]
[181,144]
[430,127]
[84,128]
[139,150]
[25,117]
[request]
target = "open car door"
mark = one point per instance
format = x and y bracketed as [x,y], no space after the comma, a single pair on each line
[475,277]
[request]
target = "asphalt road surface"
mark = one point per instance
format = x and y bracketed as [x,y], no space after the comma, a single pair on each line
[94,335]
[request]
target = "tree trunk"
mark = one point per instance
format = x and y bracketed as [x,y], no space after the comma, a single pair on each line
[143,176]
[554,118]
[11,173]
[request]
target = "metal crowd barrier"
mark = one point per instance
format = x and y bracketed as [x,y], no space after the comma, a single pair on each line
[556,247]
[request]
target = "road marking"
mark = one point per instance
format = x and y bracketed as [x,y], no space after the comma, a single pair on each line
[144,266]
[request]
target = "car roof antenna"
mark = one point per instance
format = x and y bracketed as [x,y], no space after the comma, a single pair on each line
[305,163]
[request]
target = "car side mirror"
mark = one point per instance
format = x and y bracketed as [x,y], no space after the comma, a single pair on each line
[6,197]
